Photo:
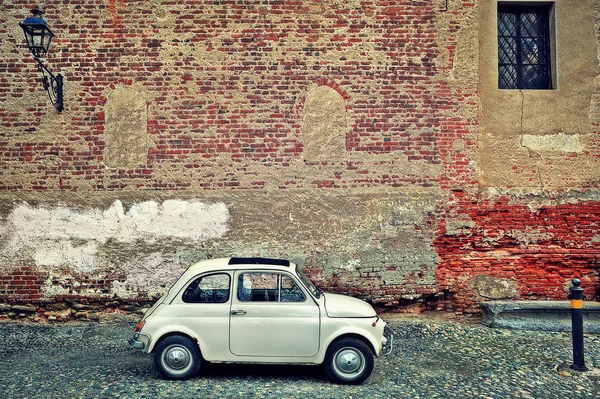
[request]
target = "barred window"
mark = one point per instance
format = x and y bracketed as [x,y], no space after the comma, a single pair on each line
[524,59]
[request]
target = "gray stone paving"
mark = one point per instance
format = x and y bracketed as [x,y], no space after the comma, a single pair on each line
[433,358]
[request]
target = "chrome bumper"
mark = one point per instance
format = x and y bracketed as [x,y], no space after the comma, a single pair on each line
[136,343]
[388,345]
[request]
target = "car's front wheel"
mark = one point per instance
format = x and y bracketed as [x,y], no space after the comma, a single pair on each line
[177,357]
[348,361]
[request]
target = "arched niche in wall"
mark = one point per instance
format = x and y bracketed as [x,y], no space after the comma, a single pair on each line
[324,125]
[125,129]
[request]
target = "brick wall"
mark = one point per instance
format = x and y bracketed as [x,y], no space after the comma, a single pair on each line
[224,81]
[206,102]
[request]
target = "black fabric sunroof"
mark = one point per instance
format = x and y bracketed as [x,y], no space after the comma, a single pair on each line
[259,261]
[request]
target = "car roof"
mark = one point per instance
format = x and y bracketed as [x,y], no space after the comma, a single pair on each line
[236,263]
[223,264]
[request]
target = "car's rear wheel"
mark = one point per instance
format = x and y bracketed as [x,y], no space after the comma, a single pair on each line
[348,361]
[177,357]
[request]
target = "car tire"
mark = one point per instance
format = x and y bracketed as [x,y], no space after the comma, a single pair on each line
[348,361]
[177,357]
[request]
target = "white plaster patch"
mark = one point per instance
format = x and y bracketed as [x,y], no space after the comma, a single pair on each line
[83,258]
[153,273]
[50,290]
[148,221]
[553,142]
[120,290]
[351,265]
[62,236]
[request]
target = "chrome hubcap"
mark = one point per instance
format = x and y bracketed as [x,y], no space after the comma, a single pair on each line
[176,358]
[349,361]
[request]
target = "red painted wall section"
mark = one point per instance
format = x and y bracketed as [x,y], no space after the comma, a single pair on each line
[542,249]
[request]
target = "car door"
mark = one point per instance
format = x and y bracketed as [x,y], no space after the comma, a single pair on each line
[203,308]
[272,316]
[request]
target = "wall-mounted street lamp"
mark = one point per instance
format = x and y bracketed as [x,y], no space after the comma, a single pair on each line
[38,36]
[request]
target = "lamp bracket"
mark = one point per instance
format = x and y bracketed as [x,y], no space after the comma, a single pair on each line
[52,84]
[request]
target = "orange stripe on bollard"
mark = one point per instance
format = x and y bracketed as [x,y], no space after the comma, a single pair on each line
[576,303]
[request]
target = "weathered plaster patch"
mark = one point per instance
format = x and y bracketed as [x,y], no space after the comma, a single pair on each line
[83,258]
[553,142]
[125,133]
[51,290]
[324,125]
[152,274]
[145,221]
[530,235]
[351,265]
[493,288]
[459,227]
[544,161]
[62,236]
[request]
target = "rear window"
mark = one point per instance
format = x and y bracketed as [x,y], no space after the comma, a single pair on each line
[213,288]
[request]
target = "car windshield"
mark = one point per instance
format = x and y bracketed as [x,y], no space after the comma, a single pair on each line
[309,284]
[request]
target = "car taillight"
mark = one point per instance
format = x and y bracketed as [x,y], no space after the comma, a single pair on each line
[374,324]
[139,326]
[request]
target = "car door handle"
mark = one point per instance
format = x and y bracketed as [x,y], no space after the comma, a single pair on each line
[238,312]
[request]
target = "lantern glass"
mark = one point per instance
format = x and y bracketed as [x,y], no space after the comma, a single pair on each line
[37,33]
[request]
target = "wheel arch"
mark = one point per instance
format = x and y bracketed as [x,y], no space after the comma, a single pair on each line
[172,333]
[356,336]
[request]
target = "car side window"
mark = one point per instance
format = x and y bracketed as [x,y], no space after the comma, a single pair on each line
[268,287]
[213,288]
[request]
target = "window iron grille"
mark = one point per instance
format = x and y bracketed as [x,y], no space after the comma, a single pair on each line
[524,47]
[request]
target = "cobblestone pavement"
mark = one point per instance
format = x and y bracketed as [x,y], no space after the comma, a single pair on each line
[433,358]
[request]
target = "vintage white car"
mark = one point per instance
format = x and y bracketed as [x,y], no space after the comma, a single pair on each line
[259,310]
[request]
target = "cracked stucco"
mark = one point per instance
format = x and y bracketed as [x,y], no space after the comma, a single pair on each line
[539,140]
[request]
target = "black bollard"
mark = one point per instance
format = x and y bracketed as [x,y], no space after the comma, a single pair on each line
[576,298]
